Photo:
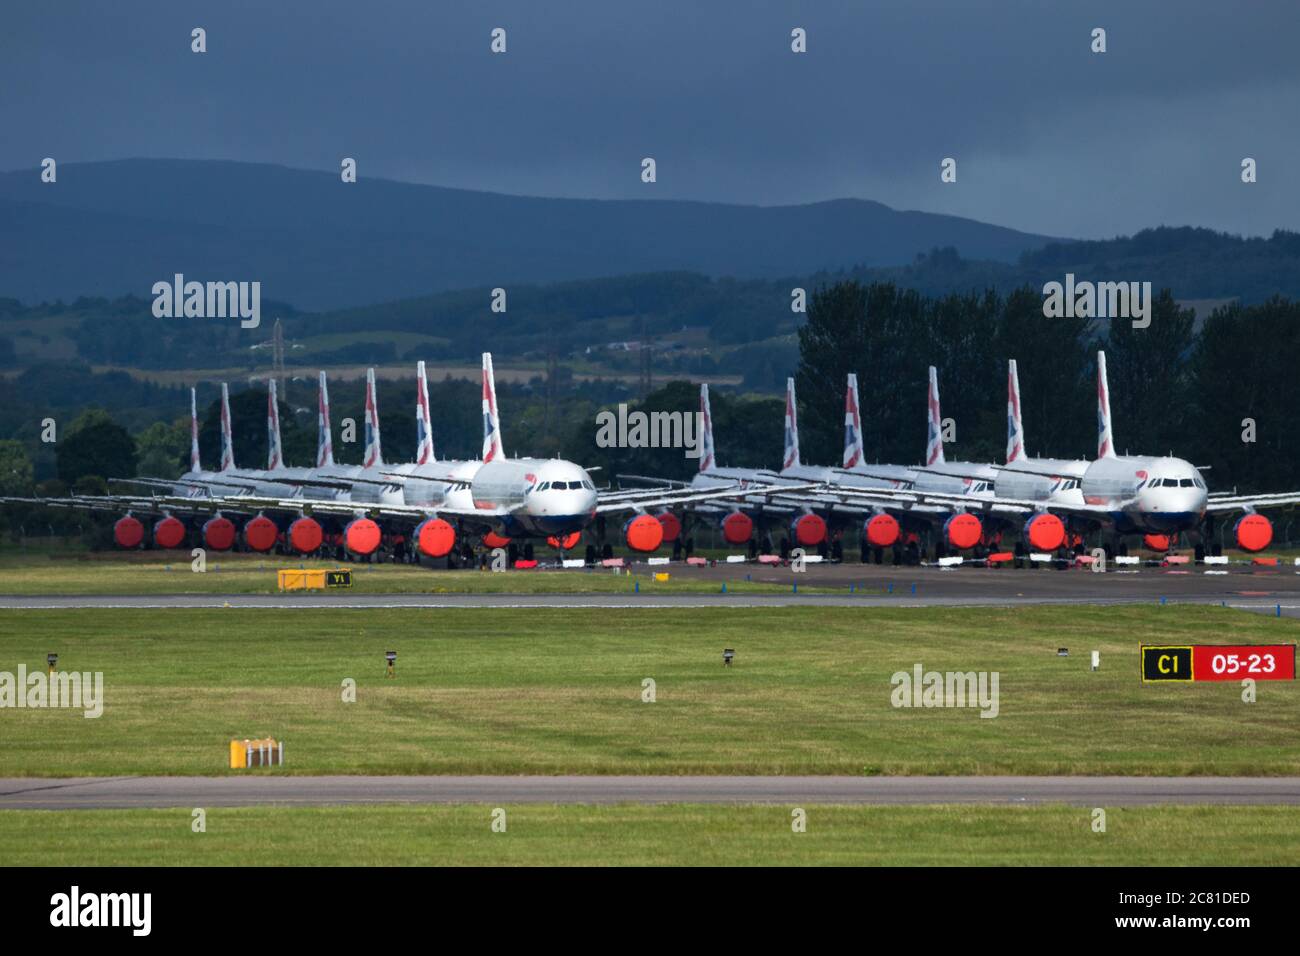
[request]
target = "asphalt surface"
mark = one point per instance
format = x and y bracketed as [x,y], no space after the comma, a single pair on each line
[1261,590]
[257,790]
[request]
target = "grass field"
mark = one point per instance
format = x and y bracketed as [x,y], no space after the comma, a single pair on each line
[635,835]
[171,573]
[508,691]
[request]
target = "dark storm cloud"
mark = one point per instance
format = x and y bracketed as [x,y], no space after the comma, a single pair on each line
[1048,136]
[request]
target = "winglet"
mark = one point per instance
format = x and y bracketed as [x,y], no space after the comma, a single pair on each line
[791,458]
[1105,436]
[227,442]
[195,466]
[934,430]
[374,455]
[423,423]
[324,440]
[707,462]
[1015,429]
[854,454]
[274,456]
[493,448]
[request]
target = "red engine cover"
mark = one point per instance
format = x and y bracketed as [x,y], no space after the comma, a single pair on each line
[1157,542]
[260,533]
[1045,532]
[1254,532]
[809,530]
[494,540]
[565,543]
[737,528]
[168,532]
[882,531]
[643,533]
[305,535]
[219,534]
[128,532]
[672,525]
[963,530]
[435,538]
[362,536]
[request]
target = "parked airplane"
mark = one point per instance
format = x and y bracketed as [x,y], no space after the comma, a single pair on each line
[1154,496]
[500,496]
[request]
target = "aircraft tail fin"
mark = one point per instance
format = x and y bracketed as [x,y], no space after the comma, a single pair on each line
[195,466]
[493,449]
[324,440]
[374,456]
[791,457]
[1015,428]
[934,429]
[1105,436]
[227,441]
[707,462]
[423,421]
[274,455]
[854,454]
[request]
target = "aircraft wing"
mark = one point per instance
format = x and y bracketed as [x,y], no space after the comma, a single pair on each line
[1222,503]
[905,500]
[663,498]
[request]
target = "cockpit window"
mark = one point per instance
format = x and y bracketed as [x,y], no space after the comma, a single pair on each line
[1186,483]
[543,486]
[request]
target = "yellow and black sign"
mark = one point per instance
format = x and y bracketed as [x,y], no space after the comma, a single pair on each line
[1166,663]
[338,578]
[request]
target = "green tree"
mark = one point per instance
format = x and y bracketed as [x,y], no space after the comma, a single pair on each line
[15,469]
[1242,369]
[94,444]
[163,449]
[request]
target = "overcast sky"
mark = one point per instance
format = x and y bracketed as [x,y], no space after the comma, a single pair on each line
[1048,136]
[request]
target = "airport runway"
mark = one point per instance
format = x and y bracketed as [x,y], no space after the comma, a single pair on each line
[1285,606]
[854,586]
[96,793]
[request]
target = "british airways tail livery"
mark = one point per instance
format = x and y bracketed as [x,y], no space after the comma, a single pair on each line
[791,456]
[274,455]
[195,467]
[1105,436]
[493,449]
[707,460]
[324,441]
[1015,430]
[227,442]
[854,454]
[374,456]
[423,421]
[934,433]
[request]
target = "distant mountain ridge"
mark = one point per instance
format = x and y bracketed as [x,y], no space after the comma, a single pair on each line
[115,228]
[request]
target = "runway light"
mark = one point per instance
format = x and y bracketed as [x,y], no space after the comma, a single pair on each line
[52,660]
[727,655]
[1062,652]
[391,657]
